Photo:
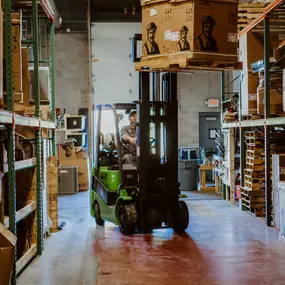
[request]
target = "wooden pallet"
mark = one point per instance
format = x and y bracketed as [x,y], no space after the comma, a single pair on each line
[253,199]
[251,179]
[256,212]
[247,12]
[187,61]
[254,186]
[249,193]
[253,205]
[253,173]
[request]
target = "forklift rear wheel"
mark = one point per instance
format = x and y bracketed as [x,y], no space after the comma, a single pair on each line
[98,218]
[183,221]
[127,219]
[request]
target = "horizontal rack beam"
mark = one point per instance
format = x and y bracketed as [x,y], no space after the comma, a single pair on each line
[26,258]
[9,118]
[22,164]
[22,213]
[256,123]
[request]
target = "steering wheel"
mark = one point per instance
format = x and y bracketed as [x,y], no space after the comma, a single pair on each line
[152,142]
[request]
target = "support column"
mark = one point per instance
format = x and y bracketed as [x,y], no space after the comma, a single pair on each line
[52,75]
[268,189]
[40,236]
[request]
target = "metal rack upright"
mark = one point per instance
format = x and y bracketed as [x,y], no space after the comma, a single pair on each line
[10,120]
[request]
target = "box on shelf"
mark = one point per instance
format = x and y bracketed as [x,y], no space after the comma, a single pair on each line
[67,151]
[80,139]
[25,73]
[182,25]
[82,154]
[16,54]
[251,48]
[7,254]
[275,101]
[250,83]
[252,104]
[83,172]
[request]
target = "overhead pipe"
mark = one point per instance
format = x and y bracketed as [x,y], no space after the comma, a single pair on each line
[49,8]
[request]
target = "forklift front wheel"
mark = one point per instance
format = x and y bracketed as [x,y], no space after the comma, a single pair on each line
[127,218]
[98,218]
[183,219]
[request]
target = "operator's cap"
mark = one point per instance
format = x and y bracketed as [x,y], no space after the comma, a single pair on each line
[208,19]
[151,26]
[184,29]
[134,112]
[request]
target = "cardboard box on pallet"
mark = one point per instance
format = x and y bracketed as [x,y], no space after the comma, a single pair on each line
[183,25]
[275,101]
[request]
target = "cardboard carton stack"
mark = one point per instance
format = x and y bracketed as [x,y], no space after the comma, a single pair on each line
[183,26]
[69,157]
[250,51]
[21,74]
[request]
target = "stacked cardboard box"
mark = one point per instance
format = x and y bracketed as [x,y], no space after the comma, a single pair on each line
[69,157]
[251,50]
[182,25]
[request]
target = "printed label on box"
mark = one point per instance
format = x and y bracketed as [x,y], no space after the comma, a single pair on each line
[232,37]
[175,36]
[167,35]
[153,12]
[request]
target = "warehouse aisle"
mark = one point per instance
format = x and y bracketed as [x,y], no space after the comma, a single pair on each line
[222,246]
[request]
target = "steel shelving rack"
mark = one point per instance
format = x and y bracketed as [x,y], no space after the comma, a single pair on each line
[263,25]
[10,120]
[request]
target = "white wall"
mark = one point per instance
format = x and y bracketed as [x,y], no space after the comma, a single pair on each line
[71,66]
[193,90]
[112,67]
[114,78]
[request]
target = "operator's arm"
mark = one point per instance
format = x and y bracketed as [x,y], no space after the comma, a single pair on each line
[125,135]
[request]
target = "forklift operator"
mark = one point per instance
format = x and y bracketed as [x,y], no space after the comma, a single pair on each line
[129,139]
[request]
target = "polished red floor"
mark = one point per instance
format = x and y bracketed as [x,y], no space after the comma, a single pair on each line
[222,246]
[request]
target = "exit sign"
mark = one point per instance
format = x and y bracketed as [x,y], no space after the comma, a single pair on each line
[213,103]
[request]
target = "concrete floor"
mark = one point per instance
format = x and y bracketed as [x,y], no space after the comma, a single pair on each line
[222,246]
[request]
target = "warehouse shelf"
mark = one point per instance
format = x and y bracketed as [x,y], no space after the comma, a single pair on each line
[30,215]
[256,123]
[26,258]
[22,213]
[9,118]
[270,21]
[22,164]
[270,8]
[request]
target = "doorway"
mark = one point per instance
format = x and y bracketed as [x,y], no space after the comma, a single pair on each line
[209,124]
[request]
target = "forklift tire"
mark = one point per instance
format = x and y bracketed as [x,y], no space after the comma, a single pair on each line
[127,219]
[183,221]
[98,218]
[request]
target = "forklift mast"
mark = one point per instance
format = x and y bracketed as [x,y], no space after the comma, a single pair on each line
[158,174]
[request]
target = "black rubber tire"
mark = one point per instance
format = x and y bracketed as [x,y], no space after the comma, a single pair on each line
[97,213]
[127,219]
[183,220]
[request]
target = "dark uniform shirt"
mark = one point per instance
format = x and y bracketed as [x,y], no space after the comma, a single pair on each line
[127,132]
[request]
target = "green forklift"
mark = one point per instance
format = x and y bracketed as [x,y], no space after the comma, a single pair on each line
[145,194]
